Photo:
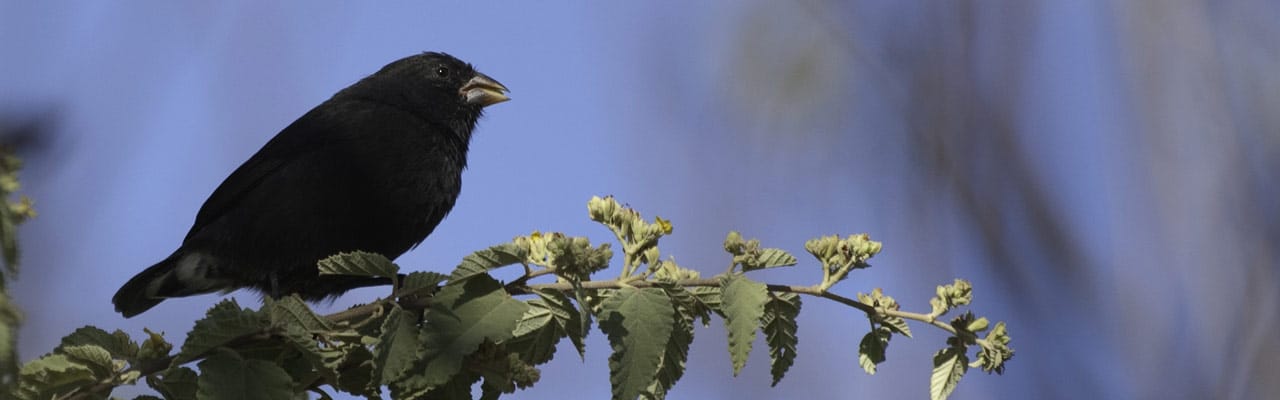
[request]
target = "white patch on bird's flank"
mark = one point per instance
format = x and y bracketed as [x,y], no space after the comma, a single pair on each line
[193,273]
[193,267]
[153,287]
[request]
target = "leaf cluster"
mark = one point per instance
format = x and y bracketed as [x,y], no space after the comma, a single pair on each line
[438,336]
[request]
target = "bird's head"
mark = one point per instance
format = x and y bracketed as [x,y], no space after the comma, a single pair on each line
[433,85]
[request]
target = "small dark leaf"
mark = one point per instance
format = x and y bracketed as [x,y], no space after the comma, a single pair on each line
[872,347]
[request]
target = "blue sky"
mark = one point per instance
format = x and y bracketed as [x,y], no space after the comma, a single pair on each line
[682,110]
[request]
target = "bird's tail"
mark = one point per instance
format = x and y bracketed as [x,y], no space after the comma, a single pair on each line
[166,279]
[138,295]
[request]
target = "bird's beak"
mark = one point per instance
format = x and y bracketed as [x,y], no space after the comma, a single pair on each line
[484,91]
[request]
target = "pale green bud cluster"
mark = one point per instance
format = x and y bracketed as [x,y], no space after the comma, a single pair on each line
[948,297]
[570,257]
[839,256]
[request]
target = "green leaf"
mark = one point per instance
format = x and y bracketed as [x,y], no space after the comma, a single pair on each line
[299,368]
[117,343]
[262,347]
[314,359]
[871,349]
[292,311]
[421,282]
[550,317]
[638,323]
[175,384]
[355,372]
[536,334]
[397,345]
[461,317]
[584,310]
[568,317]
[223,323]
[769,258]
[52,374]
[226,375]
[359,263]
[458,388]
[674,358]
[92,356]
[743,307]
[557,305]
[536,318]
[949,365]
[484,260]
[897,324]
[688,302]
[709,296]
[779,326]
[536,346]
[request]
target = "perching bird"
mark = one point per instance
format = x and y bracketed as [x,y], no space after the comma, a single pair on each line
[374,168]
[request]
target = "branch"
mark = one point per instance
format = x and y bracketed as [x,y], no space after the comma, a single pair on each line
[806,290]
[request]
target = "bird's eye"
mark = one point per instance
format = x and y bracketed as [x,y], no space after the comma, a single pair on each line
[442,72]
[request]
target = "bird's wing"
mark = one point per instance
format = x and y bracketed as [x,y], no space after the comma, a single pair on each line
[296,139]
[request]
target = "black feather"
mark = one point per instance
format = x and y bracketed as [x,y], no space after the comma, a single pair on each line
[375,168]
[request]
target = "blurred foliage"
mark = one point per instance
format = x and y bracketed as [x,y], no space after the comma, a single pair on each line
[1080,146]
[12,213]
[429,340]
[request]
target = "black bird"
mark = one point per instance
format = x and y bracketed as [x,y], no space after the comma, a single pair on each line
[374,168]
